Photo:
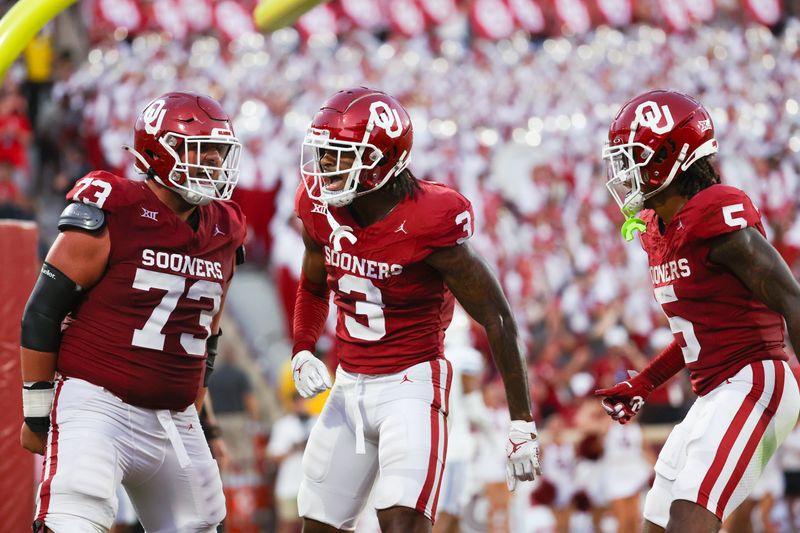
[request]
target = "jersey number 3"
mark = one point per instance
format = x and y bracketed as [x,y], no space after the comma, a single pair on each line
[150,335]
[371,308]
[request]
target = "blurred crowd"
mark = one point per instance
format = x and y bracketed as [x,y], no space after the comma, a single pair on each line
[516,125]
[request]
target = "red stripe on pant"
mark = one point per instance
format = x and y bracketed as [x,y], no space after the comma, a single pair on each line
[755,438]
[44,492]
[731,435]
[449,368]
[422,501]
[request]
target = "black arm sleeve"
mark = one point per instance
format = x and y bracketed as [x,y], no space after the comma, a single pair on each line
[53,297]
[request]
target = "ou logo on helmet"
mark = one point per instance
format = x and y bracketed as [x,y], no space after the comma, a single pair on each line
[153,116]
[650,115]
[386,118]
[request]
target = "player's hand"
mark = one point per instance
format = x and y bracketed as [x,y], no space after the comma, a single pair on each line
[219,450]
[31,441]
[522,450]
[310,374]
[625,399]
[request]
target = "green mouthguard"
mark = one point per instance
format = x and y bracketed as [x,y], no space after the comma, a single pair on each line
[631,224]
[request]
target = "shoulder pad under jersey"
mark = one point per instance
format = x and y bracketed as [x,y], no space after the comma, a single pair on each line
[449,216]
[718,210]
[82,216]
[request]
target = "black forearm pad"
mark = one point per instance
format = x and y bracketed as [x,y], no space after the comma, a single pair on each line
[212,344]
[53,297]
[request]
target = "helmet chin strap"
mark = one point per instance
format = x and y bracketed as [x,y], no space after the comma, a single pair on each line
[140,159]
[339,198]
[188,191]
[193,197]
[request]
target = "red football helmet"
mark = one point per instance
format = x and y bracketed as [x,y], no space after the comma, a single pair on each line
[654,139]
[171,136]
[368,125]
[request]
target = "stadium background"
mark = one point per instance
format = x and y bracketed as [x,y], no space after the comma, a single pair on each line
[510,101]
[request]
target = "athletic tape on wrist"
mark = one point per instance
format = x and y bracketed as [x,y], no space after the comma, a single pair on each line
[37,398]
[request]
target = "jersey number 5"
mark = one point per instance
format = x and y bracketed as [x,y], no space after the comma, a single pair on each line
[734,221]
[150,335]
[690,346]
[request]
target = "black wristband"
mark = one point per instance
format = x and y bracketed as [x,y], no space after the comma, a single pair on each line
[212,431]
[38,424]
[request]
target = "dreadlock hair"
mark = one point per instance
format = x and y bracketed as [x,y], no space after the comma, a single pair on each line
[405,184]
[700,175]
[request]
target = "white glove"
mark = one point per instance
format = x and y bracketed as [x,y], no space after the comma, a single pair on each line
[522,450]
[310,374]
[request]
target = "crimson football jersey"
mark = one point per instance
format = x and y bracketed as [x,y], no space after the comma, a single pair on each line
[141,331]
[720,326]
[393,308]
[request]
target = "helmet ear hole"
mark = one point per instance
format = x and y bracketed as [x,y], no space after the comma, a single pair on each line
[394,153]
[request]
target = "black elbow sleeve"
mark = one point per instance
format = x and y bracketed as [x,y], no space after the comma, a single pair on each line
[53,297]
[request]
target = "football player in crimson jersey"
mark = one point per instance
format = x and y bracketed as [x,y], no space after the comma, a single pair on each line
[139,271]
[726,293]
[394,252]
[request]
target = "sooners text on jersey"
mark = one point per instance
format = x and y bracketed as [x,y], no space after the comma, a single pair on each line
[392,307]
[716,320]
[141,331]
